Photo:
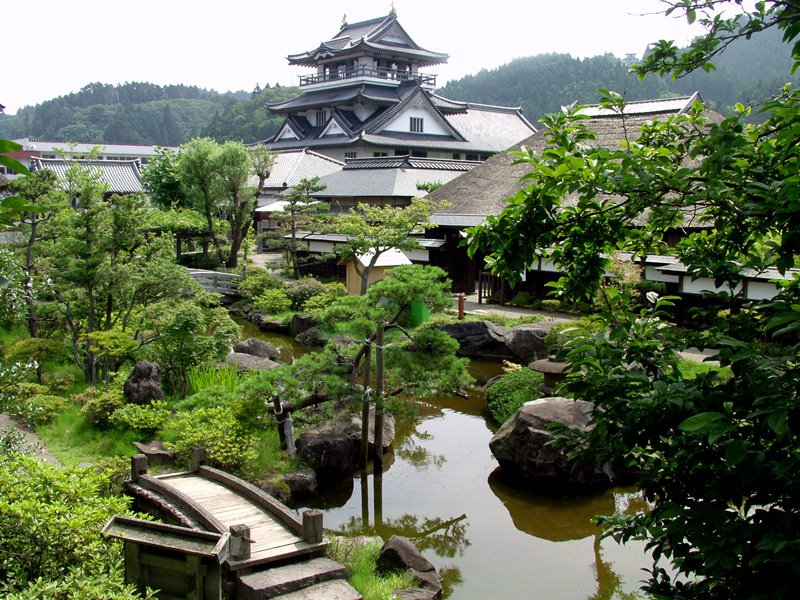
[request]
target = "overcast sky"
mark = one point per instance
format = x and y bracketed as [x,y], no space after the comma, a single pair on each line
[53,47]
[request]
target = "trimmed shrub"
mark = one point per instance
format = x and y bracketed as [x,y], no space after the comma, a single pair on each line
[272,302]
[148,419]
[510,391]
[258,281]
[301,290]
[31,402]
[97,406]
[229,447]
[49,523]
[41,408]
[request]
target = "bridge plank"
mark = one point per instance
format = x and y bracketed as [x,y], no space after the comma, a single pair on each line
[269,535]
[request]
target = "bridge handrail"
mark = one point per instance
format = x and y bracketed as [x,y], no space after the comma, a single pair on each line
[193,509]
[280,511]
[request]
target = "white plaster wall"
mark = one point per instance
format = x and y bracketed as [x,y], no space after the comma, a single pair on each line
[653,274]
[431,123]
[704,284]
[761,290]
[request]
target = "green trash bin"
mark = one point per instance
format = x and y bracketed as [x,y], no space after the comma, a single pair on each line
[420,313]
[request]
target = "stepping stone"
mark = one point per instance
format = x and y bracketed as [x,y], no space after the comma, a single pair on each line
[289,578]
[330,590]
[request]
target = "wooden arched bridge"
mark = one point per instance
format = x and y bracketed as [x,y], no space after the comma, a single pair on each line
[222,538]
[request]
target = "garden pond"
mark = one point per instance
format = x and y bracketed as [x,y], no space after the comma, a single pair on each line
[441,489]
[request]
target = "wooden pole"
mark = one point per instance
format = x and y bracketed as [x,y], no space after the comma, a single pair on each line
[279,417]
[378,458]
[365,407]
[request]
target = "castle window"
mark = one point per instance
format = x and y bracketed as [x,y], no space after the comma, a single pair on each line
[350,154]
[416,125]
[320,118]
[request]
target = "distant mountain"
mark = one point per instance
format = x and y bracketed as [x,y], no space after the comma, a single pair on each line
[145,113]
[748,71]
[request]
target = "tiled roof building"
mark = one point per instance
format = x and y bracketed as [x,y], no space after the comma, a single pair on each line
[369,98]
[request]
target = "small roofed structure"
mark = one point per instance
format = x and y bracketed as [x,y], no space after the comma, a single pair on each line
[387,260]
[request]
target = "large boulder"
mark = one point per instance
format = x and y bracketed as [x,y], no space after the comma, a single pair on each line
[487,341]
[248,362]
[333,449]
[311,337]
[300,323]
[143,384]
[257,347]
[399,554]
[522,445]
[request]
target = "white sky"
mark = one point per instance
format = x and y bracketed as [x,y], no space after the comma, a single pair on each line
[54,47]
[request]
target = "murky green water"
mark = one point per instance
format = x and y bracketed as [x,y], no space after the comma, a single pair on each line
[489,540]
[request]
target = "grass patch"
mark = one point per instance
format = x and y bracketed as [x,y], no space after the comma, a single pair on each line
[269,458]
[690,369]
[360,561]
[74,440]
[509,392]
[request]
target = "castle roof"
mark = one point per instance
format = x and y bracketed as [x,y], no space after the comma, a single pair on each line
[381,36]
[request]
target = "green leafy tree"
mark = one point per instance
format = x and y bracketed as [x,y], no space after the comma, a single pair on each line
[201,184]
[216,179]
[374,230]
[181,334]
[715,456]
[161,180]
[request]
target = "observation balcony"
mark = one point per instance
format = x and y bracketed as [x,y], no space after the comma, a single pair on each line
[363,72]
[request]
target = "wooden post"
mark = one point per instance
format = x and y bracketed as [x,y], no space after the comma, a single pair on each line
[378,436]
[199,458]
[288,430]
[461,302]
[279,417]
[312,526]
[138,466]
[239,546]
[365,406]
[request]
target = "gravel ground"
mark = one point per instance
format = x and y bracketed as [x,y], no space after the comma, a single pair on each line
[31,440]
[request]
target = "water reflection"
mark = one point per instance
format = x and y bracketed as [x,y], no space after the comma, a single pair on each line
[553,518]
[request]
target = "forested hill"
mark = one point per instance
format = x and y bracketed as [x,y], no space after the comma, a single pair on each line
[145,113]
[748,71]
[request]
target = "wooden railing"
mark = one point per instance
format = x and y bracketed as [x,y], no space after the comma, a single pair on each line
[218,281]
[364,71]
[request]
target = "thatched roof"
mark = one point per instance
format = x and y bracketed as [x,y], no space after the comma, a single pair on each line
[483,190]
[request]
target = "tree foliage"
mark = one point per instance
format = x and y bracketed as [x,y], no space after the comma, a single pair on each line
[49,521]
[372,231]
[715,456]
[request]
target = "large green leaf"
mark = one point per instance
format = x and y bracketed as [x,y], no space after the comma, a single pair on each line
[699,421]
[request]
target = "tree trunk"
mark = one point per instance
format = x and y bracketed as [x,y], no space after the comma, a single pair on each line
[33,328]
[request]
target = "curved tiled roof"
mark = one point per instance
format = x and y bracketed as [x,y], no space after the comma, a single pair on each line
[121,176]
[351,39]
[484,190]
